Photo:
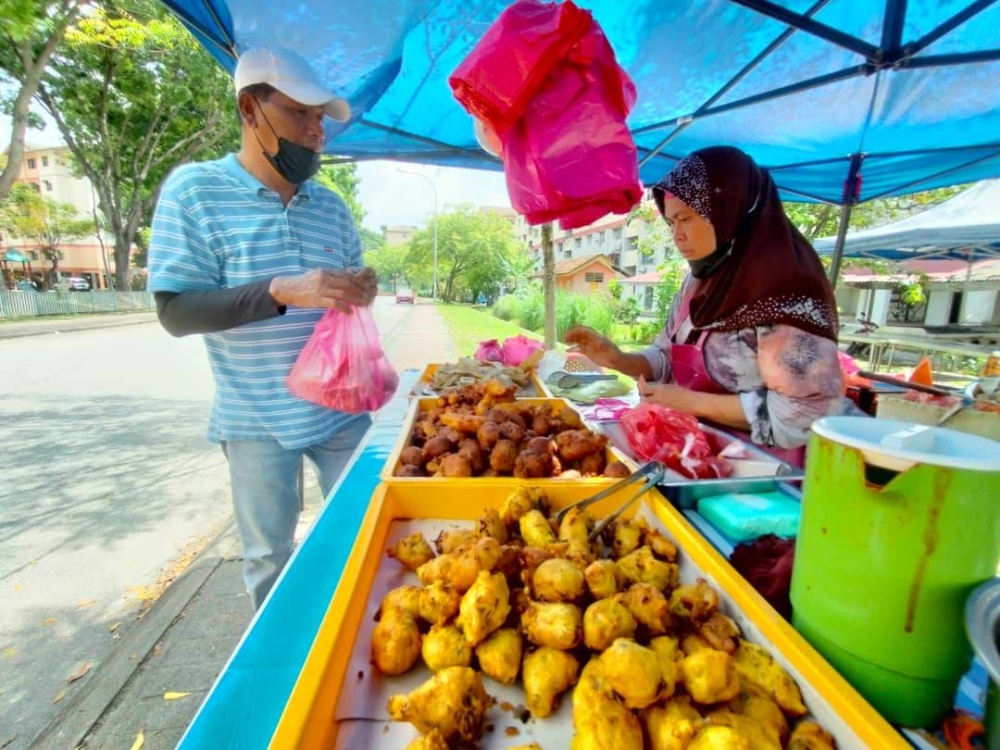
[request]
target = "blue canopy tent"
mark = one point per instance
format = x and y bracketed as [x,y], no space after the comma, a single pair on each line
[844,100]
[964,227]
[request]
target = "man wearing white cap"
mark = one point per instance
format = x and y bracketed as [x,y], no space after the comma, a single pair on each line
[249,252]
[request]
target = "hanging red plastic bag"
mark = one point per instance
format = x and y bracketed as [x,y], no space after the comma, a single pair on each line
[343,366]
[656,433]
[489,351]
[516,349]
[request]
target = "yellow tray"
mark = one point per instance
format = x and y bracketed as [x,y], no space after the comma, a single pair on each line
[566,412]
[535,388]
[337,667]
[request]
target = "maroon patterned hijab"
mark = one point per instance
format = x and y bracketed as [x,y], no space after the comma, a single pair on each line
[763,271]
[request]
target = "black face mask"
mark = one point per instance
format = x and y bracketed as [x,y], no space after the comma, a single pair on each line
[705,267]
[293,162]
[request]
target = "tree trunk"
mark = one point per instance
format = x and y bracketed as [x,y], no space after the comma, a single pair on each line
[52,275]
[33,69]
[549,285]
[123,270]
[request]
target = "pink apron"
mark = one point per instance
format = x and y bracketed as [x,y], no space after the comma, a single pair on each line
[687,363]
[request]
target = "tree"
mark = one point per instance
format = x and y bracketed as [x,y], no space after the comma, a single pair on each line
[134,95]
[474,249]
[48,224]
[518,267]
[343,180]
[390,263]
[30,34]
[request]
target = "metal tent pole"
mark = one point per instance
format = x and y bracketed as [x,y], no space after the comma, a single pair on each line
[852,193]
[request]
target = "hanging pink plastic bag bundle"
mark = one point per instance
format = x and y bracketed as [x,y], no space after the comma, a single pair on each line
[657,433]
[516,349]
[343,366]
[489,351]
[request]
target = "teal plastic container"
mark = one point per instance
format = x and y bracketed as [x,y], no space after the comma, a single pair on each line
[897,529]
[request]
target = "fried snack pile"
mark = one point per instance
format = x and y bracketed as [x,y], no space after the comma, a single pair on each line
[482,431]
[647,661]
[470,371]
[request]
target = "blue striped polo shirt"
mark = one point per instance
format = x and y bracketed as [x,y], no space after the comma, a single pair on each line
[216,226]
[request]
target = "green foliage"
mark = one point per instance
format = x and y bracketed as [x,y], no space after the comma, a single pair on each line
[343,180]
[27,215]
[389,262]
[475,252]
[505,307]
[645,333]
[134,95]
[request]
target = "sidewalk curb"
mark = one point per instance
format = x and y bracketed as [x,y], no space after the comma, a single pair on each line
[91,701]
[96,325]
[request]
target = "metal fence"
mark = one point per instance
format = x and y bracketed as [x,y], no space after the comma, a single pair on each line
[15,305]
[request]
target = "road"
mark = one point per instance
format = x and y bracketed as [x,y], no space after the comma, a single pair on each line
[107,487]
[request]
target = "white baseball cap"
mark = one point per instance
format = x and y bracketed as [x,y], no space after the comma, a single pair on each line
[288,73]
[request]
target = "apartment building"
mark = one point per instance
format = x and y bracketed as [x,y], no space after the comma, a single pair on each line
[48,171]
[616,237]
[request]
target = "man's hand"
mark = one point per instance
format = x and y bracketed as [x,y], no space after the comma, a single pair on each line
[595,347]
[323,288]
[367,278]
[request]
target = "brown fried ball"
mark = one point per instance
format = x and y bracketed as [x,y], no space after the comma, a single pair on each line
[592,464]
[502,415]
[616,469]
[512,431]
[503,456]
[455,465]
[573,445]
[435,447]
[409,470]
[454,436]
[488,435]
[411,456]
[530,465]
[469,449]
[541,445]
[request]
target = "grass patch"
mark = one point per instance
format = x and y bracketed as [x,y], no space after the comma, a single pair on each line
[468,326]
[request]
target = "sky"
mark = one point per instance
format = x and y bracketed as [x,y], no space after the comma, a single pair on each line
[388,196]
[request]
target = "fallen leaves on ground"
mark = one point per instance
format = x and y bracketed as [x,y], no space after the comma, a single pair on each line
[59,696]
[140,740]
[146,595]
[9,651]
[86,603]
[49,621]
[172,696]
[113,627]
[80,672]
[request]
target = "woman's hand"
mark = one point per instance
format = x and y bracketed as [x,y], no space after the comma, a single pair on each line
[595,347]
[669,395]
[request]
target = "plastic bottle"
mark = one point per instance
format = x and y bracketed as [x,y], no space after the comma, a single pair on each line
[992,365]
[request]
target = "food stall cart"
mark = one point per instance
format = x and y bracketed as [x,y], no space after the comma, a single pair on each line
[258,699]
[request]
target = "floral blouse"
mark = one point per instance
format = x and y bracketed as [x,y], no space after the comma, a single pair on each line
[785,377]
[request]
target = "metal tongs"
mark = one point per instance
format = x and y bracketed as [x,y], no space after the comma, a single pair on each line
[653,472]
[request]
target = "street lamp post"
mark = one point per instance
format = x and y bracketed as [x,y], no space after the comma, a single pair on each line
[434,288]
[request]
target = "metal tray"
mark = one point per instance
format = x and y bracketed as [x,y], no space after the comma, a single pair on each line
[760,464]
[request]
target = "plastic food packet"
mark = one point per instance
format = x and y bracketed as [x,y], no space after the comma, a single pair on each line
[342,366]
[656,433]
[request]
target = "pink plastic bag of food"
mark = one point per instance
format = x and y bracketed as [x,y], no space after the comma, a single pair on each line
[342,366]
[656,433]
[516,349]
[489,351]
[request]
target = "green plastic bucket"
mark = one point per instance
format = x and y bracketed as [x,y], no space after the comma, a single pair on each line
[899,524]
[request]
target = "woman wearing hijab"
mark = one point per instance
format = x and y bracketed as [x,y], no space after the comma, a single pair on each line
[751,340]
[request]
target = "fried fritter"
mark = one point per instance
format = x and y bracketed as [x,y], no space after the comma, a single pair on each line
[536,530]
[557,580]
[453,701]
[603,578]
[633,672]
[445,646]
[756,666]
[412,551]
[484,607]
[500,655]
[710,676]
[605,621]
[439,602]
[546,673]
[648,606]
[396,641]
[556,625]
[641,567]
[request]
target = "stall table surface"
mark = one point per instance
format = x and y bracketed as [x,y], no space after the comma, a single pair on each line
[245,705]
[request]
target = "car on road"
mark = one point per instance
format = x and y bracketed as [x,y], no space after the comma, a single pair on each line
[72,284]
[405,295]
